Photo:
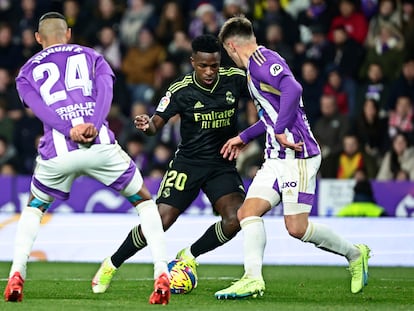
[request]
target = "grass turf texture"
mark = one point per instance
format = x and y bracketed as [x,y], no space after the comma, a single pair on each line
[67,286]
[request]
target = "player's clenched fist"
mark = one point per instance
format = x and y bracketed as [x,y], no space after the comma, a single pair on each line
[142,122]
[83,133]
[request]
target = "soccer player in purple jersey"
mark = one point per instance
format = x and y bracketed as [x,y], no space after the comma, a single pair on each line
[292,160]
[69,88]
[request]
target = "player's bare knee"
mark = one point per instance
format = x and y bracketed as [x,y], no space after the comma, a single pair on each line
[244,213]
[296,230]
[231,224]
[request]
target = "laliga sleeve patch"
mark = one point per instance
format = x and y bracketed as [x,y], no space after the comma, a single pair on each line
[162,105]
[275,69]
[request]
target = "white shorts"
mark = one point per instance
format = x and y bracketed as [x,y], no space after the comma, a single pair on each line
[291,180]
[108,164]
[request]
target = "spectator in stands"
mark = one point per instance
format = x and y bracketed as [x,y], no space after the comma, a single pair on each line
[135,147]
[140,64]
[8,169]
[334,86]
[402,175]
[294,7]
[274,13]
[404,85]
[8,153]
[408,25]
[331,127]
[345,53]
[8,49]
[234,8]
[171,20]
[274,40]
[371,129]
[388,50]
[399,158]
[318,13]
[129,128]
[389,12]
[312,84]
[76,19]
[28,46]
[116,120]
[6,123]
[138,14]
[26,133]
[348,161]
[401,118]
[9,96]
[207,20]
[369,8]
[166,73]
[106,14]
[179,51]
[373,86]
[109,46]
[160,157]
[363,203]
[352,20]
[25,15]
[6,11]
[318,48]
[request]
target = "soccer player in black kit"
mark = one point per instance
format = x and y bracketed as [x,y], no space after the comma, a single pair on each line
[207,102]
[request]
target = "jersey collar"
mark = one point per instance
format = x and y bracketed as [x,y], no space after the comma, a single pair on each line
[204,88]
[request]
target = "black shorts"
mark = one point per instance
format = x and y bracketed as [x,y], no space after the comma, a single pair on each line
[183,181]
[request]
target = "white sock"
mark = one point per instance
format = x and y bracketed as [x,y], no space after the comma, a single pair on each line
[254,235]
[325,238]
[27,229]
[154,234]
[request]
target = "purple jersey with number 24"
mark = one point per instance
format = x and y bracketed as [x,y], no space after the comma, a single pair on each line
[59,85]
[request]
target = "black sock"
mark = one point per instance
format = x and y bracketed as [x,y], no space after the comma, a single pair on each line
[132,244]
[211,239]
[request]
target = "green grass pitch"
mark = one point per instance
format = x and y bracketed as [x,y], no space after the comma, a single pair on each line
[66,286]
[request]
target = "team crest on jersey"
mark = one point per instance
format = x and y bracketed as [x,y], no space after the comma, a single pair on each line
[166,193]
[230,99]
[275,69]
[162,105]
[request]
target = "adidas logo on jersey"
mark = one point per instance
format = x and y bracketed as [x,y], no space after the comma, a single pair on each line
[289,192]
[198,105]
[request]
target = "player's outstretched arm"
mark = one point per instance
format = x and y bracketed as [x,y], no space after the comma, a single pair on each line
[149,126]
[232,148]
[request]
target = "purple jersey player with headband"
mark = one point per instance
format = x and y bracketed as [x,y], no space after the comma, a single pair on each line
[292,160]
[69,88]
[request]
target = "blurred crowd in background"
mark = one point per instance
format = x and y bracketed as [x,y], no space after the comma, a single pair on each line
[354,59]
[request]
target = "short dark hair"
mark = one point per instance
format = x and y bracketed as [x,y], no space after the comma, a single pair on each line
[51,15]
[205,43]
[236,26]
